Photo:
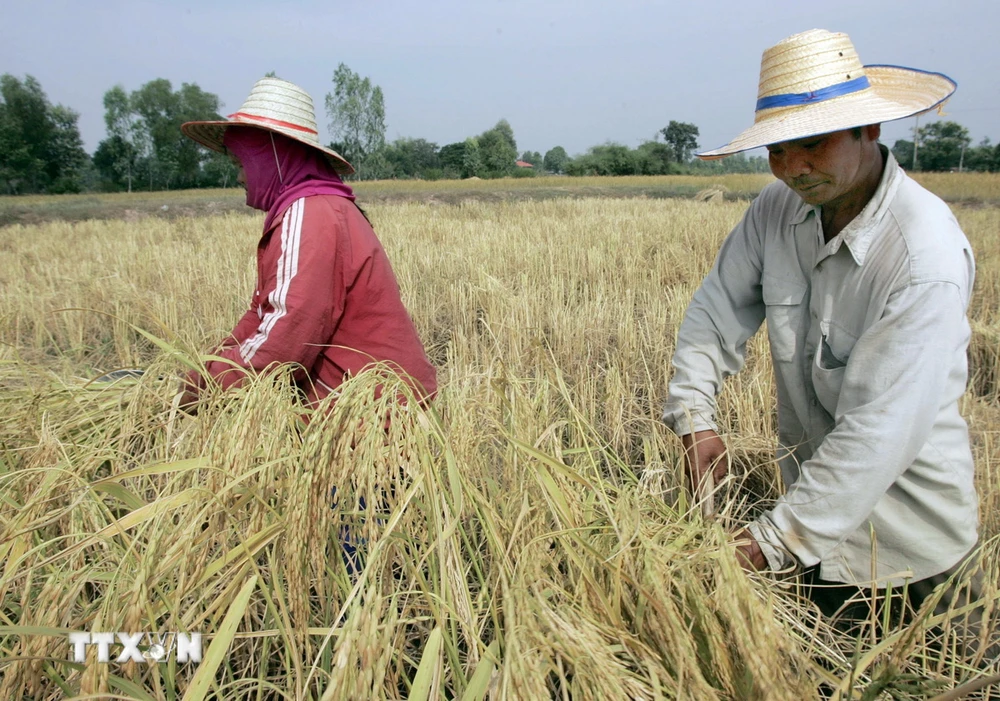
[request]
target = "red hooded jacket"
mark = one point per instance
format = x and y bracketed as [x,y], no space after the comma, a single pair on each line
[326,299]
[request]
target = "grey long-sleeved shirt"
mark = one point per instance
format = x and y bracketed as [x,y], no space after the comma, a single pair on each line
[868,337]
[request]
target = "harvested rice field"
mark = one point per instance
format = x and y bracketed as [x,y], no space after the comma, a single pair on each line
[532,537]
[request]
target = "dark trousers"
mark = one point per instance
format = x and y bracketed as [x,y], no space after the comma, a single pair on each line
[850,607]
[352,545]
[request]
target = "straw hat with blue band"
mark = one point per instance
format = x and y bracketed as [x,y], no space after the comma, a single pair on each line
[814,83]
[273,105]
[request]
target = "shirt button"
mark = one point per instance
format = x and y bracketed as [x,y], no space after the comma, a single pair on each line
[813,402]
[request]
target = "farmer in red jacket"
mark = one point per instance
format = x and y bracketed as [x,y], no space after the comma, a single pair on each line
[326,297]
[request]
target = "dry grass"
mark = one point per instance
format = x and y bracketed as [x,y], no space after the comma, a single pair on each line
[963,187]
[526,539]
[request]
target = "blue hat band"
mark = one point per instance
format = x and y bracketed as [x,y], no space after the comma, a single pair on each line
[807,98]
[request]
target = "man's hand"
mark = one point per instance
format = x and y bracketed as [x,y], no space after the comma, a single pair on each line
[704,457]
[748,552]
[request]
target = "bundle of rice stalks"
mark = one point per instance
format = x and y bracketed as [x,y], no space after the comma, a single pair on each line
[715,193]
[492,568]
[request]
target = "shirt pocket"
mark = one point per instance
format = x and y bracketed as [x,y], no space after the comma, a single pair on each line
[830,362]
[783,299]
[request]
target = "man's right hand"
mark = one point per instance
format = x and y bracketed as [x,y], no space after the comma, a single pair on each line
[704,454]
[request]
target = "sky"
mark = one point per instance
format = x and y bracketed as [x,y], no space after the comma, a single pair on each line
[572,73]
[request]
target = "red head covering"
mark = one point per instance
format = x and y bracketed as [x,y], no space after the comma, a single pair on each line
[280,170]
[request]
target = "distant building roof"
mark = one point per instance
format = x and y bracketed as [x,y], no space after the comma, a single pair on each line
[524,164]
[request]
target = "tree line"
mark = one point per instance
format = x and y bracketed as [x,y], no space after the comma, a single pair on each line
[41,150]
[946,146]
[40,145]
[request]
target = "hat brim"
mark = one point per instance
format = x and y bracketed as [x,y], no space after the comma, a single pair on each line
[210,135]
[895,93]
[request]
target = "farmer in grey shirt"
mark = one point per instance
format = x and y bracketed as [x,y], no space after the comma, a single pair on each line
[863,278]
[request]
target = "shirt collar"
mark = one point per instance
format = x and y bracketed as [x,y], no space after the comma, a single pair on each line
[858,234]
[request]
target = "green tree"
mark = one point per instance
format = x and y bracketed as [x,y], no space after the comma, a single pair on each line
[117,156]
[606,159]
[412,158]
[40,145]
[15,158]
[145,141]
[176,160]
[356,109]
[980,157]
[942,146]
[497,157]
[472,162]
[497,150]
[532,157]
[65,149]
[156,106]
[113,163]
[616,159]
[218,171]
[902,151]
[452,158]
[654,158]
[27,130]
[682,137]
[555,159]
[507,132]
[194,104]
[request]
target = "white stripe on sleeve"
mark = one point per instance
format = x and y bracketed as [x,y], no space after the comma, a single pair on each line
[288,266]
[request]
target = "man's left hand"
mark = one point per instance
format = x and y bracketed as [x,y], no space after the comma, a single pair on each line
[748,552]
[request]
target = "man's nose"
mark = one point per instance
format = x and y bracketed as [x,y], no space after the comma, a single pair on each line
[797,163]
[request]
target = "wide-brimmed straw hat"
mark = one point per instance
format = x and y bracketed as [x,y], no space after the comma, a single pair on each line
[813,83]
[273,105]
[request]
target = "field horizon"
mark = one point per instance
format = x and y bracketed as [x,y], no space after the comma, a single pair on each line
[955,188]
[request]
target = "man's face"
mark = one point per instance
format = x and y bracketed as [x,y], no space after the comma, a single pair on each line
[825,169]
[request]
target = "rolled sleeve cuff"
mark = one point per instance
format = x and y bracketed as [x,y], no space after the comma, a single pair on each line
[778,558]
[683,421]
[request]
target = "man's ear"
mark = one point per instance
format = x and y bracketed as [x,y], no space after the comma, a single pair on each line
[873,131]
